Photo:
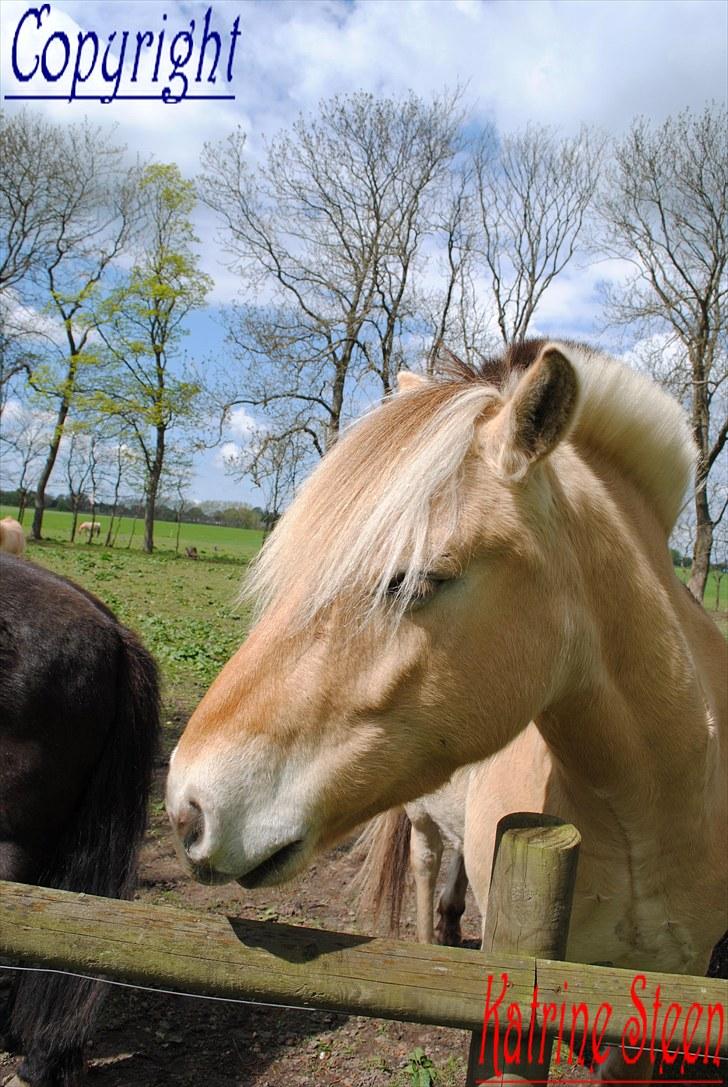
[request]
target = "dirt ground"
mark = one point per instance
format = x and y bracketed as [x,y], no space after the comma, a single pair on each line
[145,1039]
[149,1039]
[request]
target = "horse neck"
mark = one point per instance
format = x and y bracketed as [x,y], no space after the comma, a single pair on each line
[630,714]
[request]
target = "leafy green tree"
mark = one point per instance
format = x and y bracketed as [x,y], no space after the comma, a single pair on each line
[142,325]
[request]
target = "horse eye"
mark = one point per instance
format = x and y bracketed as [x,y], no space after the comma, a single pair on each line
[395,586]
[427,585]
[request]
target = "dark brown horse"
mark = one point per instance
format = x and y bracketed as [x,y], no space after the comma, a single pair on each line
[78,733]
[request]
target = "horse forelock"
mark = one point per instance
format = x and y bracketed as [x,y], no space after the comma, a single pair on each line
[366,514]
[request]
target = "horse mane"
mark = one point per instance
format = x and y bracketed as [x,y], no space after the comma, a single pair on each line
[622,413]
[369,504]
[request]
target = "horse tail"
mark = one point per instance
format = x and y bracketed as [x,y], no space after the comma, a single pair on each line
[380,883]
[97,853]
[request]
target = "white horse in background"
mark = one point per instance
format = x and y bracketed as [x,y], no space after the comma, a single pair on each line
[93,528]
[12,537]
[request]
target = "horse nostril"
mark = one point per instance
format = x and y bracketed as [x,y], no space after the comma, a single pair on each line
[190,824]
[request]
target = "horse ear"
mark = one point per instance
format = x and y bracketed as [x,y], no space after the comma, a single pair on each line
[538,414]
[407,382]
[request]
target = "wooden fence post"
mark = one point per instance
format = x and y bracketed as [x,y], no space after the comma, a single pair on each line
[529,908]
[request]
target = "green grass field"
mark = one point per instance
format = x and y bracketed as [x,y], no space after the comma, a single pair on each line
[210,540]
[714,586]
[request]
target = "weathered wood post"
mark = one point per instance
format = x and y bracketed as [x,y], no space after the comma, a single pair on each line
[529,908]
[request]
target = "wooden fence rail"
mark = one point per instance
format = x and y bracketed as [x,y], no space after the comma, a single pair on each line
[201,953]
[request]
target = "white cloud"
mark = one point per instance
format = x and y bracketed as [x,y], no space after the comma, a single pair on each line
[227,454]
[547,60]
[571,306]
[242,424]
[21,319]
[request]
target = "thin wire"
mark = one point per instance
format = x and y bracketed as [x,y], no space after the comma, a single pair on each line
[170,992]
[253,1003]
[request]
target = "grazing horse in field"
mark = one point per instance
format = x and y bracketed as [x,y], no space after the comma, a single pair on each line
[78,733]
[479,570]
[93,528]
[12,537]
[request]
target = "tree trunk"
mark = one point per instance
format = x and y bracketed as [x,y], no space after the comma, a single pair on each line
[333,423]
[49,465]
[152,488]
[74,522]
[40,490]
[702,549]
[150,503]
[115,506]
[93,522]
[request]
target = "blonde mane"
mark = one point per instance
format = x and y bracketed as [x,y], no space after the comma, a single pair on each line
[368,506]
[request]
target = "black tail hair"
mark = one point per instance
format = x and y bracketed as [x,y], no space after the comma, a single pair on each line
[52,1015]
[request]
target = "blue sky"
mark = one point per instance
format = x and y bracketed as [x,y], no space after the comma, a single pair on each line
[560,62]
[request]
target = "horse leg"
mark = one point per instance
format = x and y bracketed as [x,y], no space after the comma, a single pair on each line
[451,906]
[425,858]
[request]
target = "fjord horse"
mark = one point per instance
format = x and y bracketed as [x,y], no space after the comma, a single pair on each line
[78,733]
[480,570]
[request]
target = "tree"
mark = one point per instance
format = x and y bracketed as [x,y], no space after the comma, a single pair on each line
[174,486]
[141,323]
[324,234]
[119,462]
[534,190]
[24,436]
[275,461]
[81,454]
[67,205]
[34,174]
[453,313]
[664,208]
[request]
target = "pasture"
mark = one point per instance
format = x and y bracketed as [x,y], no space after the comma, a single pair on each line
[213,541]
[186,613]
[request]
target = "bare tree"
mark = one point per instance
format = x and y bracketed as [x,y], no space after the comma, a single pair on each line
[324,235]
[23,437]
[33,175]
[175,483]
[120,459]
[534,191]
[275,459]
[63,223]
[665,210]
[79,459]
[453,310]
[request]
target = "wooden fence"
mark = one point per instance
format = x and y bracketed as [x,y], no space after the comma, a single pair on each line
[207,954]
